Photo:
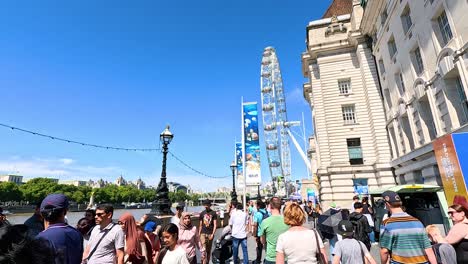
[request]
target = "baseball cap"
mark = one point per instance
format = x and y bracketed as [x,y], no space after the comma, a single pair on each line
[391,197]
[345,228]
[150,226]
[54,201]
[206,202]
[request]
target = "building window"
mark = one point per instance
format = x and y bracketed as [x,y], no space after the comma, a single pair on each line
[344,86]
[444,27]
[392,49]
[417,61]
[349,116]
[388,98]
[463,101]
[383,16]
[400,83]
[381,67]
[406,19]
[354,151]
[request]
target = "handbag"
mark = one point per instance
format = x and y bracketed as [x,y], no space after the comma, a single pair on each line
[318,255]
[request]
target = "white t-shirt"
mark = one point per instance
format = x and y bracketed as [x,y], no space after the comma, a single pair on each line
[238,221]
[177,256]
[175,220]
[299,246]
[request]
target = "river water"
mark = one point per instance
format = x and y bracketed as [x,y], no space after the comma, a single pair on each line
[74,217]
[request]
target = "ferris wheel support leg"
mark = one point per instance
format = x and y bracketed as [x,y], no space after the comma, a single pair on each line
[299,149]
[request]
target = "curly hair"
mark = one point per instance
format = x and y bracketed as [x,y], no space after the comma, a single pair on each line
[294,215]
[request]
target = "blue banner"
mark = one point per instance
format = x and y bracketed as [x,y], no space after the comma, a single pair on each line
[360,187]
[240,166]
[251,144]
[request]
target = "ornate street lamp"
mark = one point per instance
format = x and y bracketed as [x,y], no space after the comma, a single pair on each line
[233,193]
[162,204]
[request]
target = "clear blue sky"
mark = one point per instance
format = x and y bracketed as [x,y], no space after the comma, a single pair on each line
[116,72]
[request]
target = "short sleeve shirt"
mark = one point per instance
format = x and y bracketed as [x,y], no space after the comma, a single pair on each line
[299,246]
[106,251]
[350,251]
[271,228]
[238,221]
[207,219]
[405,237]
[258,218]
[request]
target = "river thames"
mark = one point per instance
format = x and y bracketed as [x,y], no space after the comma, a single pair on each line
[73,217]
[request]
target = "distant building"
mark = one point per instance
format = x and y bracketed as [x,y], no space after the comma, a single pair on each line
[11,178]
[224,190]
[140,184]
[175,187]
[74,182]
[121,181]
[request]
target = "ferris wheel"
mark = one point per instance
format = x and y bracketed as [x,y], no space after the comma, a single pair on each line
[276,126]
[275,119]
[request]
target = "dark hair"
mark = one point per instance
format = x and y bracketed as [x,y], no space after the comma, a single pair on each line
[92,211]
[53,214]
[239,206]
[106,207]
[17,247]
[171,229]
[358,205]
[355,197]
[459,208]
[261,204]
[84,225]
[365,199]
[275,203]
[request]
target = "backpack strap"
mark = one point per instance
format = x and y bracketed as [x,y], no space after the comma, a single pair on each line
[362,252]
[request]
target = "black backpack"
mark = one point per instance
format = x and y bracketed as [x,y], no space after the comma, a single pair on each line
[360,234]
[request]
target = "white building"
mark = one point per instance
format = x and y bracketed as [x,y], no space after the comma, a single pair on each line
[11,178]
[348,115]
[420,47]
[74,182]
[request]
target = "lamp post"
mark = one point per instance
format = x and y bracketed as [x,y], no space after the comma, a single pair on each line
[162,204]
[233,193]
[258,192]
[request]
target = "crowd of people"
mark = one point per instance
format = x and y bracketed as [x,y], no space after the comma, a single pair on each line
[292,232]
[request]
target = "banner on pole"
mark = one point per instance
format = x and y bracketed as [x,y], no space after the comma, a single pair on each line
[451,155]
[251,144]
[240,170]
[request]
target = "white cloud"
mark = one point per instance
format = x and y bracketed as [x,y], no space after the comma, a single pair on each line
[69,169]
[63,169]
[67,161]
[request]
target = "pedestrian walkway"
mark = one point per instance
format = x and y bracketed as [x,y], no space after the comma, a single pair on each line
[251,244]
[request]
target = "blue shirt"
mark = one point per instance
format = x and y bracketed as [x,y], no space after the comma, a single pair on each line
[258,218]
[65,241]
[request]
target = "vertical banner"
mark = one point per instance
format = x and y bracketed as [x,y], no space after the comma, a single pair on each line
[251,144]
[311,196]
[449,167]
[360,187]
[240,167]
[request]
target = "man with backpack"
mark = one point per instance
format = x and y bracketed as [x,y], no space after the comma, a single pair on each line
[361,225]
[259,216]
[350,250]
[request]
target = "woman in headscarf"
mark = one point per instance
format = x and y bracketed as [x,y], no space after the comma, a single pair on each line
[135,248]
[189,239]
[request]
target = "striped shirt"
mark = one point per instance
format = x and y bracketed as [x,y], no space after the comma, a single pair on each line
[406,239]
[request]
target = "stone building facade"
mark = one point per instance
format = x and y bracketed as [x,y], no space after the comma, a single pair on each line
[351,142]
[420,48]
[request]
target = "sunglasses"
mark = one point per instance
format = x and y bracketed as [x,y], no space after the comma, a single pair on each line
[100,214]
[451,212]
[120,223]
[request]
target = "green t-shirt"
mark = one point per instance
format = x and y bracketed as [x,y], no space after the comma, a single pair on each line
[271,228]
